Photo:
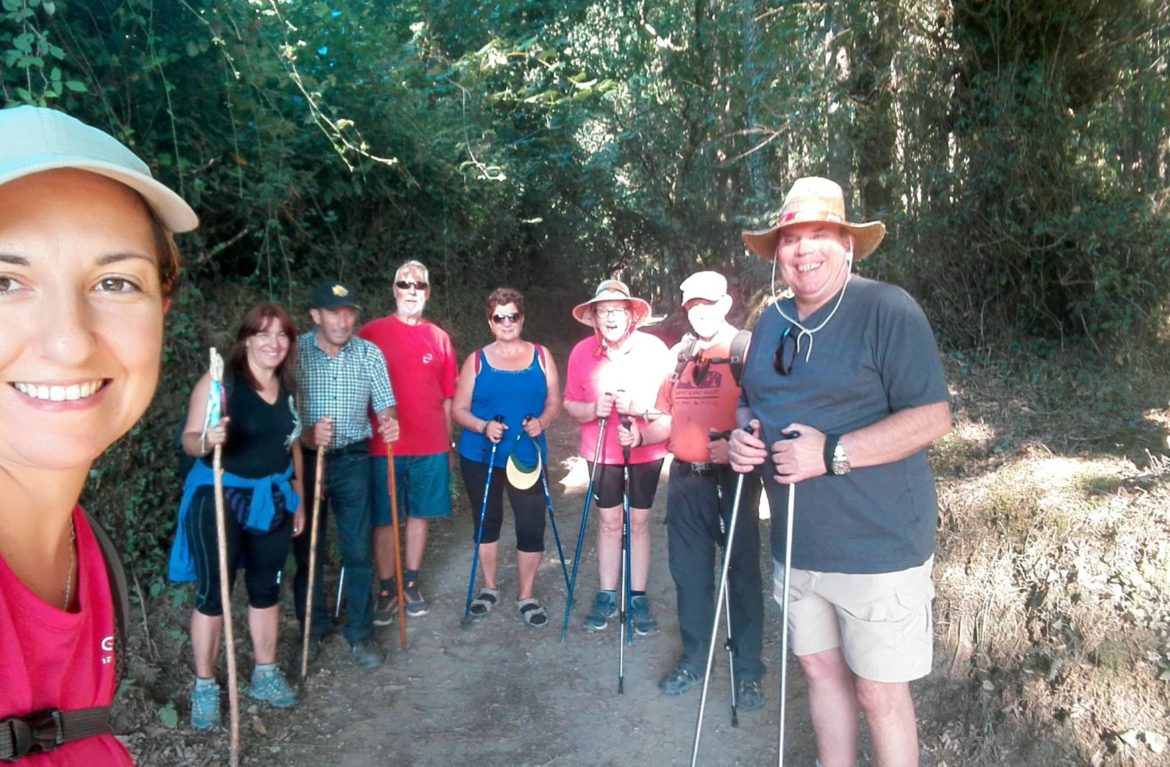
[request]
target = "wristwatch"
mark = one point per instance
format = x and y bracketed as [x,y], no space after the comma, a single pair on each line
[836,460]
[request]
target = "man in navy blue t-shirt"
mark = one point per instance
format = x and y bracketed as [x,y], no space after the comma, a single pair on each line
[844,388]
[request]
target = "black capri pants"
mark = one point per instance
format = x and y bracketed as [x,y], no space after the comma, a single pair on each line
[527,506]
[263,554]
[610,480]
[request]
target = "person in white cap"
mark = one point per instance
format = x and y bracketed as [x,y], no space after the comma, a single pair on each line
[87,268]
[848,370]
[614,374]
[698,400]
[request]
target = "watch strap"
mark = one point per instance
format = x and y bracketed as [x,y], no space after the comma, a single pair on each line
[831,441]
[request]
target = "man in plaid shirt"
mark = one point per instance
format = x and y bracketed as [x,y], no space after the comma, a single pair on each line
[339,379]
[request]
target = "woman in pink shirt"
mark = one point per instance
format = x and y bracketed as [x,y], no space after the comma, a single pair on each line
[614,374]
[87,267]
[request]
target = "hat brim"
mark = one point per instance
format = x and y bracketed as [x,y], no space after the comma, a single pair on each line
[339,305]
[520,476]
[584,314]
[174,212]
[866,237]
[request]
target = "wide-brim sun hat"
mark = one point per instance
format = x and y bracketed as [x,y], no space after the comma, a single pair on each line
[814,199]
[612,290]
[37,139]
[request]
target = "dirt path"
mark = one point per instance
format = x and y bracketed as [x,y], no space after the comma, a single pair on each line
[499,693]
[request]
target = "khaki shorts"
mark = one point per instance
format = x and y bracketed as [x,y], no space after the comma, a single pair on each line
[882,622]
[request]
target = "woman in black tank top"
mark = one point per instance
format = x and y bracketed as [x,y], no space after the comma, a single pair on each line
[261,455]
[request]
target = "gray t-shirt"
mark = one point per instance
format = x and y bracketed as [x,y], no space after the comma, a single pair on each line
[876,356]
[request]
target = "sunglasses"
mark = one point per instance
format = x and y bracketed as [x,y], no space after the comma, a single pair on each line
[500,319]
[786,352]
[408,284]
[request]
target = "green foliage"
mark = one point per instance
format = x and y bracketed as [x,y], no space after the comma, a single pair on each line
[1016,150]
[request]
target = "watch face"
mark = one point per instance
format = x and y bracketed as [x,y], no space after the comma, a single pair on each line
[840,460]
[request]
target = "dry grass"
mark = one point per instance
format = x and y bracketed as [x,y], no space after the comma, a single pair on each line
[1053,568]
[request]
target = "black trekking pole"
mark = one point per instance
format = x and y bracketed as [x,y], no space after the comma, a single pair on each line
[487,485]
[551,518]
[584,521]
[624,585]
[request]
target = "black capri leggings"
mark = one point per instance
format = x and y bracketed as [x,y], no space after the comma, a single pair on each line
[263,554]
[527,506]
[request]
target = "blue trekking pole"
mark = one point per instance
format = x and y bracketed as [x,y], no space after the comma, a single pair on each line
[552,519]
[584,522]
[625,614]
[487,486]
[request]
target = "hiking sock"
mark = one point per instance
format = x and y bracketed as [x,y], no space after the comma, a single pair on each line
[201,683]
[388,585]
[410,576]
[265,668]
[637,593]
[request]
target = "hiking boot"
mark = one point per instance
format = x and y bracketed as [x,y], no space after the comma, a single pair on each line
[604,607]
[205,707]
[679,681]
[270,686]
[644,623]
[384,609]
[367,653]
[415,604]
[749,696]
[316,646]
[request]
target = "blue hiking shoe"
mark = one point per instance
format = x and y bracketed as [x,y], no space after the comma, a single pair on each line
[270,686]
[205,706]
[604,607]
[643,619]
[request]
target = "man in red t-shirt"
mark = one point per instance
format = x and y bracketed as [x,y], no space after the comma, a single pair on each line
[423,367]
[699,400]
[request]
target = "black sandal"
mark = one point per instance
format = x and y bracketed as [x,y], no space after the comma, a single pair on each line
[532,613]
[484,602]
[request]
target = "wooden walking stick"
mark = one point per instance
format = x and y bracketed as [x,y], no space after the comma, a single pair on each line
[215,411]
[397,547]
[314,526]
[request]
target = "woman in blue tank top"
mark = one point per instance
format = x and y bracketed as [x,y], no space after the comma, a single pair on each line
[508,393]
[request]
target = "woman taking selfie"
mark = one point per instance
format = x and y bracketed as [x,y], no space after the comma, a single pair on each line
[87,268]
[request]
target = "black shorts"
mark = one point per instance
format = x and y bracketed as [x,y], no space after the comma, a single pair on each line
[609,484]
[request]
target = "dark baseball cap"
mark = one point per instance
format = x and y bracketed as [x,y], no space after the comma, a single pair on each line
[334,295]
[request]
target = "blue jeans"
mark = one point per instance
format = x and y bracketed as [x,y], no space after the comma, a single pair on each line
[347,490]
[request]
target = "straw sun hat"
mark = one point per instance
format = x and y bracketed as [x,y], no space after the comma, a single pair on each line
[815,199]
[613,290]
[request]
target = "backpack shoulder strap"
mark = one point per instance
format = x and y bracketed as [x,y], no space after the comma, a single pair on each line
[119,587]
[686,353]
[737,354]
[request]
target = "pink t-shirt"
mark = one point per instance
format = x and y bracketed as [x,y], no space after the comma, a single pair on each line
[637,367]
[53,659]
[422,366]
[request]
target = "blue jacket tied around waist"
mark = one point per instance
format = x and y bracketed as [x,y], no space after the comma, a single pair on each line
[182,565]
